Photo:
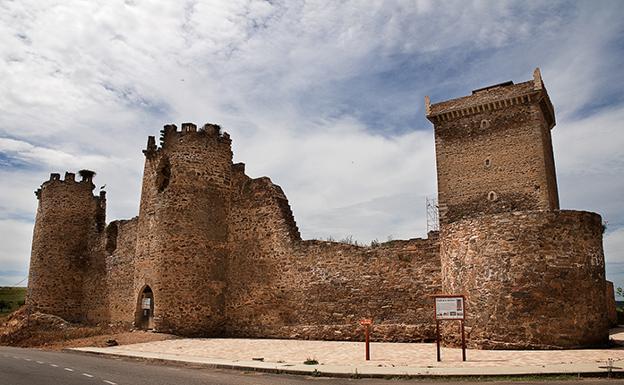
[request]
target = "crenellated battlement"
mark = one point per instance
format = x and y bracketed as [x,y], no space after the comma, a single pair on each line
[490,99]
[170,133]
[70,177]
[69,180]
[238,168]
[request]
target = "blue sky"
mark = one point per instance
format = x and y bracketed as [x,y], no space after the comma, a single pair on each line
[326,98]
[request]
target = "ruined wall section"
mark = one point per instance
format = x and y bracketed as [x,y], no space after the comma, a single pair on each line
[337,284]
[120,247]
[282,287]
[279,286]
[95,298]
[68,225]
[182,231]
[533,279]
[262,231]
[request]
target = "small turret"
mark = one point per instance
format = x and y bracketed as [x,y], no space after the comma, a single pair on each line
[69,219]
[86,175]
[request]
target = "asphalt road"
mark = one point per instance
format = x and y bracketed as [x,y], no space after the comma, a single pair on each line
[35,367]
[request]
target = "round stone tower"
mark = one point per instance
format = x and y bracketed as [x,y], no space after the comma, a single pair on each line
[533,275]
[69,218]
[182,233]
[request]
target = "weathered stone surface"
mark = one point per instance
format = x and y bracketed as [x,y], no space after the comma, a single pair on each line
[320,290]
[220,254]
[496,156]
[532,279]
[183,227]
[69,222]
[611,307]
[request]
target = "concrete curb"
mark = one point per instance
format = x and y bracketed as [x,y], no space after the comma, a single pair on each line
[344,371]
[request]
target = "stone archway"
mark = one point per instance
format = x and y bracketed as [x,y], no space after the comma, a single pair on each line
[145,309]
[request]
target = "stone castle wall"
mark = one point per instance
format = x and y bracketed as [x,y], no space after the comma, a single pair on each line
[532,279]
[339,284]
[220,253]
[279,286]
[261,238]
[120,248]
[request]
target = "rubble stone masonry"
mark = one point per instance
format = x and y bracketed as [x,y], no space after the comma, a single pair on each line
[69,221]
[494,152]
[532,279]
[220,254]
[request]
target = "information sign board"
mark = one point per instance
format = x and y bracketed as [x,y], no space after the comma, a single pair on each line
[449,308]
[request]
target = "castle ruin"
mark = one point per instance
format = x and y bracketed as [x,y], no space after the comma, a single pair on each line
[214,252]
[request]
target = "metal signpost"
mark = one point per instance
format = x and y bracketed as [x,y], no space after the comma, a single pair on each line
[367,324]
[450,307]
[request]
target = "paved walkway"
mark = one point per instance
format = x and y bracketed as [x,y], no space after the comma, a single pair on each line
[347,358]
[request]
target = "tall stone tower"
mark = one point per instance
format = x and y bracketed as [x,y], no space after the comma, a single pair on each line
[69,221]
[182,231]
[494,152]
[533,275]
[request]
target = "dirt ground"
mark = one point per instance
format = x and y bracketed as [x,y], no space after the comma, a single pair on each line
[123,338]
[50,332]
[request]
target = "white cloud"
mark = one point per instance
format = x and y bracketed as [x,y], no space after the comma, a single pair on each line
[15,250]
[326,172]
[614,246]
[590,164]
[614,256]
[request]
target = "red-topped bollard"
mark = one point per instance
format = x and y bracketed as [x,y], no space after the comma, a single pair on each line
[367,325]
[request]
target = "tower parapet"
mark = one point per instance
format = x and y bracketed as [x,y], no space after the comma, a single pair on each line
[69,219]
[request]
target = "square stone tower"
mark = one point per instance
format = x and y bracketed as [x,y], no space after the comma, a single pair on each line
[494,151]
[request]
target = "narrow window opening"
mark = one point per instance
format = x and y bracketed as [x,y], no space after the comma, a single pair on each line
[163,175]
[111,237]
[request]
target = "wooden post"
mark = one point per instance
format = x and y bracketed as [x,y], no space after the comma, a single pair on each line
[367,325]
[438,340]
[463,341]
[367,342]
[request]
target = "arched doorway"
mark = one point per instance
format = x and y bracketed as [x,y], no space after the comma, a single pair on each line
[145,309]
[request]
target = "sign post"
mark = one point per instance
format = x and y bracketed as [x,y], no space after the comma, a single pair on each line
[367,324]
[438,340]
[450,307]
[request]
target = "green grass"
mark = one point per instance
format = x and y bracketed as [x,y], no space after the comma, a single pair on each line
[310,361]
[14,296]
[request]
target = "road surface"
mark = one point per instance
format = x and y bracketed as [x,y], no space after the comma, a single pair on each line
[35,367]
